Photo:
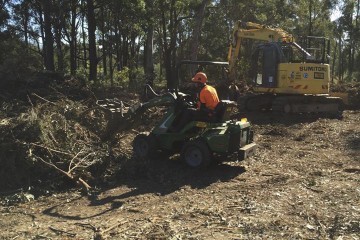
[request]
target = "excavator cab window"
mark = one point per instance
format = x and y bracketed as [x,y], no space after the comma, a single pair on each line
[258,66]
[264,65]
[317,47]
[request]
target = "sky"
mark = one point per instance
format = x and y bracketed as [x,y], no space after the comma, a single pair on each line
[335,14]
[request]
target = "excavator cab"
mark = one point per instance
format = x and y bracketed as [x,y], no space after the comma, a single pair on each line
[265,60]
[267,57]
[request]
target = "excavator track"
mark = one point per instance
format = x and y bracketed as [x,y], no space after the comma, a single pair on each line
[291,104]
[308,104]
[255,102]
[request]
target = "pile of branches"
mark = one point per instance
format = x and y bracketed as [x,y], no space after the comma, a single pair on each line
[353,91]
[49,134]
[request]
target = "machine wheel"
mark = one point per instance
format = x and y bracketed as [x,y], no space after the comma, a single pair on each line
[196,154]
[144,146]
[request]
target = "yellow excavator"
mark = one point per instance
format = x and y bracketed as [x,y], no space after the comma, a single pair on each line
[286,76]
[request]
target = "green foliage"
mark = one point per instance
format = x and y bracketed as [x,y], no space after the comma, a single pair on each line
[312,17]
[347,32]
[356,77]
[122,28]
[17,65]
[136,79]
[159,77]
[81,75]
[4,15]
[121,78]
[215,36]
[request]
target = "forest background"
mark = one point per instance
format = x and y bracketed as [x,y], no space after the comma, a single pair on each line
[126,43]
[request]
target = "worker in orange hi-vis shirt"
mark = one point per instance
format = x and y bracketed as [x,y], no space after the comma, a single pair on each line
[208,96]
[208,100]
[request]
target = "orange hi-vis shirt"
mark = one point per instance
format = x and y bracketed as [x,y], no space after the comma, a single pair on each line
[208,95]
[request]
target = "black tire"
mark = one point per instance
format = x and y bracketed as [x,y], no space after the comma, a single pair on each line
[144,146]
[196,154]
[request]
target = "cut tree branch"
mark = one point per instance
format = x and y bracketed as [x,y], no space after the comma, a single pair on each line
[78,180]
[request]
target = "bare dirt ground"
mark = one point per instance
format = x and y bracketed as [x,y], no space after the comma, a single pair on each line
[302,183]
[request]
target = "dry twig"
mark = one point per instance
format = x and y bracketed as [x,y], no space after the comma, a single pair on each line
[49,149]
[34,94]
[79,180]
[59,231]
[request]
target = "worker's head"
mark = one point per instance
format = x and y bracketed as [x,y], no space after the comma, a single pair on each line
[200,77]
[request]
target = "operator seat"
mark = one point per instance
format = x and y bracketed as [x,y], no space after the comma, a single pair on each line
[223,110]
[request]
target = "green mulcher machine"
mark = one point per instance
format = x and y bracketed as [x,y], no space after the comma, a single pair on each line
[197,142]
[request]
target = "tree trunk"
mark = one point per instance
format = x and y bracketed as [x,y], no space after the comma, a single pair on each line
[104,47]
[118,44]
[92,40]
[173,38]
[111,67]
[161,47]
[149,46]
[60,55]
[84,42]
[340,60]
[73,39]
[125,51]
[104,57]
[49,41]
[355,39]
[333,63]
[199,17]
[351,46]
[26,24]
[166,52]
[26,32]
[170,48]
[148,56]
[42,34]
[132,62]
[310,17]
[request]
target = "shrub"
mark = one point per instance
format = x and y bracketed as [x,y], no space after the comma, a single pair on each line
[17,65]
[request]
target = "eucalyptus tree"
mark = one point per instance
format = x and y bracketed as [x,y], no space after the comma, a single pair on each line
[92,39]
[4,16]
[22,16]
[33,20]
[312,17]
[47,8]
[122,35]
[171,16]
[200,11]
[149,28]
[180,22]
[67,29]
[349,22]
[16,63]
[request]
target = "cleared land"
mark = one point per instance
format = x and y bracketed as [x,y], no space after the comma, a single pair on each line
[303,183]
